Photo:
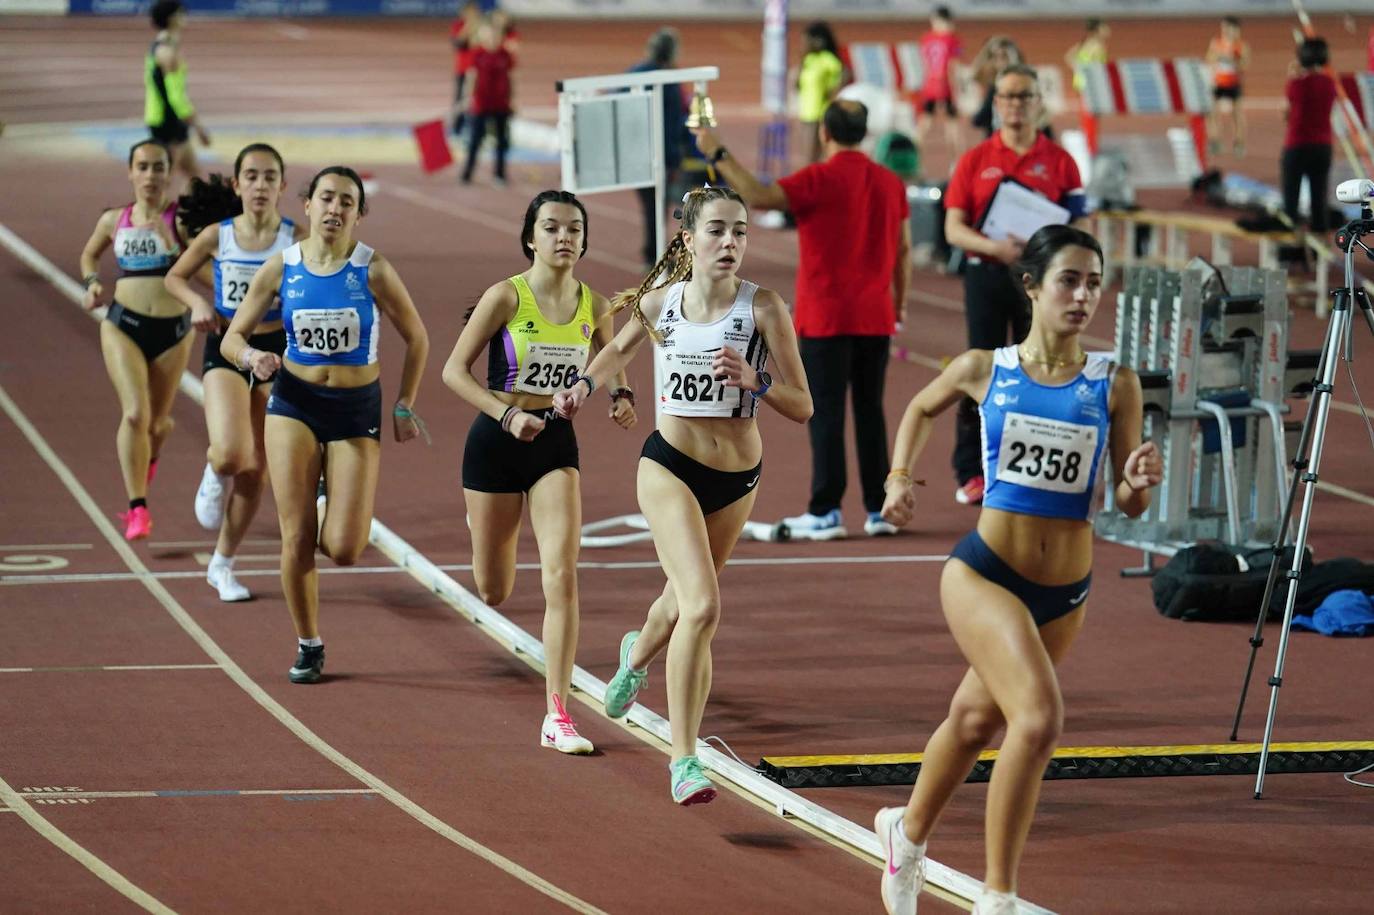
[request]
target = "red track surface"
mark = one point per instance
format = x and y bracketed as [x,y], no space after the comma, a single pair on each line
[820,658]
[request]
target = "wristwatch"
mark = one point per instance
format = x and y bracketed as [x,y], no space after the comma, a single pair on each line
[765,382]
[720,153]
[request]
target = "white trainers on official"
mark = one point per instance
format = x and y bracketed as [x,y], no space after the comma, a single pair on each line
[210,499]
[877,526]
[991,902]
[904,863]
[559,732]
[221,578]
[828,526]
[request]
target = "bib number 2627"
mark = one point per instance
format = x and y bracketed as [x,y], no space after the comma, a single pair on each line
[690,388]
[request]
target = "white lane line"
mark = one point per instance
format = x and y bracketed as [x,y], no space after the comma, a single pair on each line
[10,548]
[256,692]
[191,544]
[117,881]
[105,667]
[74,794]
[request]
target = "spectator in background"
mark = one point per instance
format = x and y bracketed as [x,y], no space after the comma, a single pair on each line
[167,109]
[661,54]
[492,63]
[1091,49]
[1228,55]
[461,37]
[997,53]
[993,303]
[1310,94]
[852,279]
[940,48]
[820,76]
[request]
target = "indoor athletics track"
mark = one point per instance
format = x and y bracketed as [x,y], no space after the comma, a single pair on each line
[153,754]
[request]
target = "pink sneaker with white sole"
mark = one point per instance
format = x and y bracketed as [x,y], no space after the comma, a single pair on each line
[138,524]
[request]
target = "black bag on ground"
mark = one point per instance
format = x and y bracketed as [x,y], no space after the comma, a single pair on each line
[1213,581]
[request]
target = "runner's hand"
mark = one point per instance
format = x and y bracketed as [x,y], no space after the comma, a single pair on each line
[1144,467]
[525,426]
[900,503]
[729,366]
[204,318]
[264,365]
[623,412]
[91,300]
[567,403]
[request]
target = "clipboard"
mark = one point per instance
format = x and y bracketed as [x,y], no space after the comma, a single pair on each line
[1017,210]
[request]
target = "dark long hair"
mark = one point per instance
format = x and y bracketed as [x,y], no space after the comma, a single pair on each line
[1042,248]
[346,172]
[532,213]
[212,200]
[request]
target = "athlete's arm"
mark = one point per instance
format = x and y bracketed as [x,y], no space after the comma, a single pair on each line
[494,310]
[178,281]
[789,395]
[256,303]
[1135,466]
[100,239]
[966,376]
[622,409]
[395,302]
[613,358]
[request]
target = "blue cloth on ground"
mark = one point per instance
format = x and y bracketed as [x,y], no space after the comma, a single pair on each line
[1342,613]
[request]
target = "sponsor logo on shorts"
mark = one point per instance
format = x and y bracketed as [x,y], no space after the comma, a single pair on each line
[1079,599]
[375,429]
[750,484]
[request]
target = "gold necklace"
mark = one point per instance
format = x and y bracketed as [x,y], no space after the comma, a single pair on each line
[1032,354]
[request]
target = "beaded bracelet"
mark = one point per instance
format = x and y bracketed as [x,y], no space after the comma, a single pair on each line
[591,385]
[245,359]
[623,394]
[508,416]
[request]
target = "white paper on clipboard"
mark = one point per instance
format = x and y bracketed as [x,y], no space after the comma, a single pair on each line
[1018,211]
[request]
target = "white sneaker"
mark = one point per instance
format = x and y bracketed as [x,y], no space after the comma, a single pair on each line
[904,864]
[210,499]
[560,733]
[875,526]
[991,902]
[222,579]
[816,527]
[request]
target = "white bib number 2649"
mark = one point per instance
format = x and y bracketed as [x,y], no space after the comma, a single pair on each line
[327,331]
[1046,454]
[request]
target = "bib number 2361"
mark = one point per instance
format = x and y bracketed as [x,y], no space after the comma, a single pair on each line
[1046,454]
[327,332]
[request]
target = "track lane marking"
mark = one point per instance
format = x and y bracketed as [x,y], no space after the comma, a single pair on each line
[254,691]
[82,668]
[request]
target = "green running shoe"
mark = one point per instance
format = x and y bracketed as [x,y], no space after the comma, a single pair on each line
[627,682]
[690,784]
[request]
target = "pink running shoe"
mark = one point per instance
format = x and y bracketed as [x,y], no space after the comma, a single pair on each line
[138,524]
[152,469]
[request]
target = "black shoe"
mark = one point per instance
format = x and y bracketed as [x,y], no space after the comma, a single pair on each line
[309,665]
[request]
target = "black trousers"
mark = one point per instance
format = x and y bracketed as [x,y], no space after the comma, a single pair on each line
[833,366]
[993,307]
[1313,162]
[477,123]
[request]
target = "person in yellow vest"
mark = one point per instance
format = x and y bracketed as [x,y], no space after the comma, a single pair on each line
[167,109]
[1228,56]
[539,329]
[820,76]
[1092,49]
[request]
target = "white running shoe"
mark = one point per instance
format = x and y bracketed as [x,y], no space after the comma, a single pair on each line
[222,579]
[560,733]
[876,526]
[817,527]
[991,902]
[904,864]
[210,499]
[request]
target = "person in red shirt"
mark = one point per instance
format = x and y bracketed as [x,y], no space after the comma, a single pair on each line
[852,279]
[460,36]
[993,304]
[940,48]
[1310,94]
[492,63]
[1228,55]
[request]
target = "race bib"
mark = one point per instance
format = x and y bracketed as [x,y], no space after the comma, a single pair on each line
[141,248]
[1046,454]
[326,331]
[234,278]
[550,367]
[689,380]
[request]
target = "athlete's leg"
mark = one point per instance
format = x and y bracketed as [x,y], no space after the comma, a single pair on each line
[250,477]
[164,379]
[494,520]
[352,467]
[556,516]
[128,372]
[293,458]
[234,444]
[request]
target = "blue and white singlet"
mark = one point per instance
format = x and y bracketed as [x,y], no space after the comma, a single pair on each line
[235,267]
[329,320]
[1043,444]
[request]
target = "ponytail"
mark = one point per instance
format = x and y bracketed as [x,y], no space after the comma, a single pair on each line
[208,202]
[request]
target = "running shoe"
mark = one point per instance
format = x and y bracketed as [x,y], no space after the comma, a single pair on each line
[904,863]
[992,902]
[876,526]
[627,682]
[690,784]
[828,526]
[560,733]
[221,578]
[210,499]
[138,524]
[152,469]
[970,492]
[309,665]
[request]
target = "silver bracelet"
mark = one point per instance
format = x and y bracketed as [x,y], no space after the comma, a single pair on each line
[246,358]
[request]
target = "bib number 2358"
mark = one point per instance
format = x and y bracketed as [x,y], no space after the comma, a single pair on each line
[1046,454]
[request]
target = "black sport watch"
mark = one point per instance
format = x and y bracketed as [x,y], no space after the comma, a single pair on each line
[765,382]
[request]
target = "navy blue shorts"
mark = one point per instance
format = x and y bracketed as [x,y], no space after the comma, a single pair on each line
[1046,602]
[714,489]
[332,414]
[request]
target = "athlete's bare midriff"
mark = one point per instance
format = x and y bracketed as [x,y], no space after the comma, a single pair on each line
[720,442]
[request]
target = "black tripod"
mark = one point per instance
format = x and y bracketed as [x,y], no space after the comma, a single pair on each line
[1305,467]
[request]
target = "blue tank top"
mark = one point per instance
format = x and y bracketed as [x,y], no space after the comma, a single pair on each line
[1042,444]
[235,267]
[329,320]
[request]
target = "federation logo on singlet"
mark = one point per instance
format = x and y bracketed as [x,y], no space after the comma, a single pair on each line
[351,283]
[586,331]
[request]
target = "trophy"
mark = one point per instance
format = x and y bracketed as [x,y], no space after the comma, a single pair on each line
[701,113]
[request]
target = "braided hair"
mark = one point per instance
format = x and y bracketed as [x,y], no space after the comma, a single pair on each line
[676,263]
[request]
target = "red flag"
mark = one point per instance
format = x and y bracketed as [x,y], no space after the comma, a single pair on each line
[433,144]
